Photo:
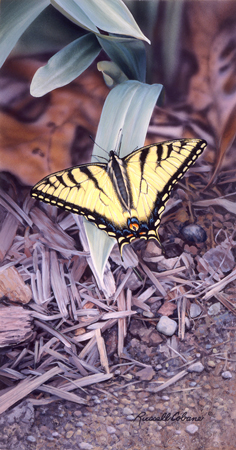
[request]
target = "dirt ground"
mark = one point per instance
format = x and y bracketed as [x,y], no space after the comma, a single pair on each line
[197,411]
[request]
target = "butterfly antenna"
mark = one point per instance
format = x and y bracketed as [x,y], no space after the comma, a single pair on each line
[99,157]
[98,146]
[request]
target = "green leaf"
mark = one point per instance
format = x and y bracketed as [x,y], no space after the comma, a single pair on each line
[65,65]
[73,12]
[16,16]
[128,54]
[111,16]
[129,107]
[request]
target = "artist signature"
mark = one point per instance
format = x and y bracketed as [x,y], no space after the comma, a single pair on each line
[165,417]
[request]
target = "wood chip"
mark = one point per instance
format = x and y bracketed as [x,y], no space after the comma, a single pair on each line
[13,287]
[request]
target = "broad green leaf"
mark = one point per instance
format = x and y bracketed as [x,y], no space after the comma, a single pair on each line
[129,107]
[128,54]
[16,16]
[65,65]
[73,12]
[111,16]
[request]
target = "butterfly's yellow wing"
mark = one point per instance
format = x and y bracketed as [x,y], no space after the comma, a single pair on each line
[127,196]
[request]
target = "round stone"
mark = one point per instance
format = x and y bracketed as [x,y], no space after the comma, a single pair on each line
[196,367]
[211,363]
[166,326]
[31,438]
[191,429]
[85,446]
[127,411]
[226,375]
[111,430]
[195,310]
[214,309]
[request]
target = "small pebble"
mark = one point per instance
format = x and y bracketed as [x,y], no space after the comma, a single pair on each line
[187,322]
[117,372]
[191,429]
[80,424]
[111,430]
[151,408]
[165,398]
[192,383]
[196,367]
[208,346]
[130,417]
[31,438]
[226,375]
[195,310]
[148,314]
[166,326]
[193,233]
[85,446]
[127,411]
[211,363]
[128,376]
[69,434]
[214,309]
[55,434]
[158,367]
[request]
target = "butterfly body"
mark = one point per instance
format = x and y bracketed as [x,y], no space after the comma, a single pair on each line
[125,197]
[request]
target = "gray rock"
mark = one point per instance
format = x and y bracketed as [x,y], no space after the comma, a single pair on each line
[111,430]
[130,417]
[148,314]
[23,412]
[191,429]
[31,438]
[85,446]
[214,309]
[187,322]
[226,375]
[79,424]
[195,310]
[196,367]
[127,411]
[166,326]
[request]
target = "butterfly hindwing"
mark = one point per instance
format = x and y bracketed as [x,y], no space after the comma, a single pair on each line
[154,170]
[127,196]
